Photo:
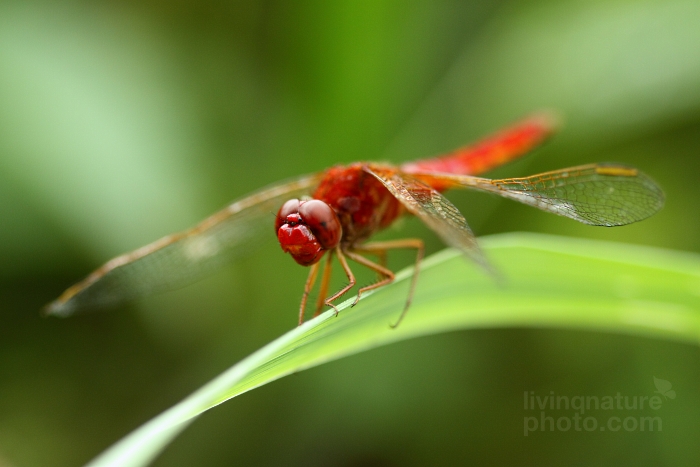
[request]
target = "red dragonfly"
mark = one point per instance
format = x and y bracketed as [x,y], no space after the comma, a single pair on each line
[349,203]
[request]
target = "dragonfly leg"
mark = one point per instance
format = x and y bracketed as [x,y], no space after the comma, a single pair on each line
[351,280]
[387,276]
[381,259]
[380,249]
[307,288]
[325,281]
[381,256]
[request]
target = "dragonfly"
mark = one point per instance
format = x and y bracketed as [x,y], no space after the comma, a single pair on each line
[335,212]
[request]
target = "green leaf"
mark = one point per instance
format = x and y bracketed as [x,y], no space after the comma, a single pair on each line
[547,282]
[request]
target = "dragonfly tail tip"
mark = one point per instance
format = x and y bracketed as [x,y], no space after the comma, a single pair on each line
[551,119]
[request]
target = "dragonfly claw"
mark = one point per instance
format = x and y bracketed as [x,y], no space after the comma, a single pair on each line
[334,308]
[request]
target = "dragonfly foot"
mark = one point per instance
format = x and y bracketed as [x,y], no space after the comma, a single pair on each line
[334,308]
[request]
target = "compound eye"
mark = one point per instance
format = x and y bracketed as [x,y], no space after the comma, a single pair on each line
[322,221]
[290,207]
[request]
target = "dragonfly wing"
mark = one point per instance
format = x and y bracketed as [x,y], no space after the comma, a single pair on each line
[184,257]
[436,211]
[595,194]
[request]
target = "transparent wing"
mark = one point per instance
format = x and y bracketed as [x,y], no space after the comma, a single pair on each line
[596,194]
[436,211]
[184,257]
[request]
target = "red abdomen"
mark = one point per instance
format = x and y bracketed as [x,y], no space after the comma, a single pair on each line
[361,202]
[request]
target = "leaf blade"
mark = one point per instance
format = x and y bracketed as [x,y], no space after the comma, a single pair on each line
[550,282]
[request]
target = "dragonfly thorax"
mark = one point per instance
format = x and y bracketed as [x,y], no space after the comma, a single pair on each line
[306,229]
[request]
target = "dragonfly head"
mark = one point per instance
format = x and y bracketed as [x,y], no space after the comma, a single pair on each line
[306,229]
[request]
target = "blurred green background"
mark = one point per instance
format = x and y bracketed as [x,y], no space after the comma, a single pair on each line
[122,121]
